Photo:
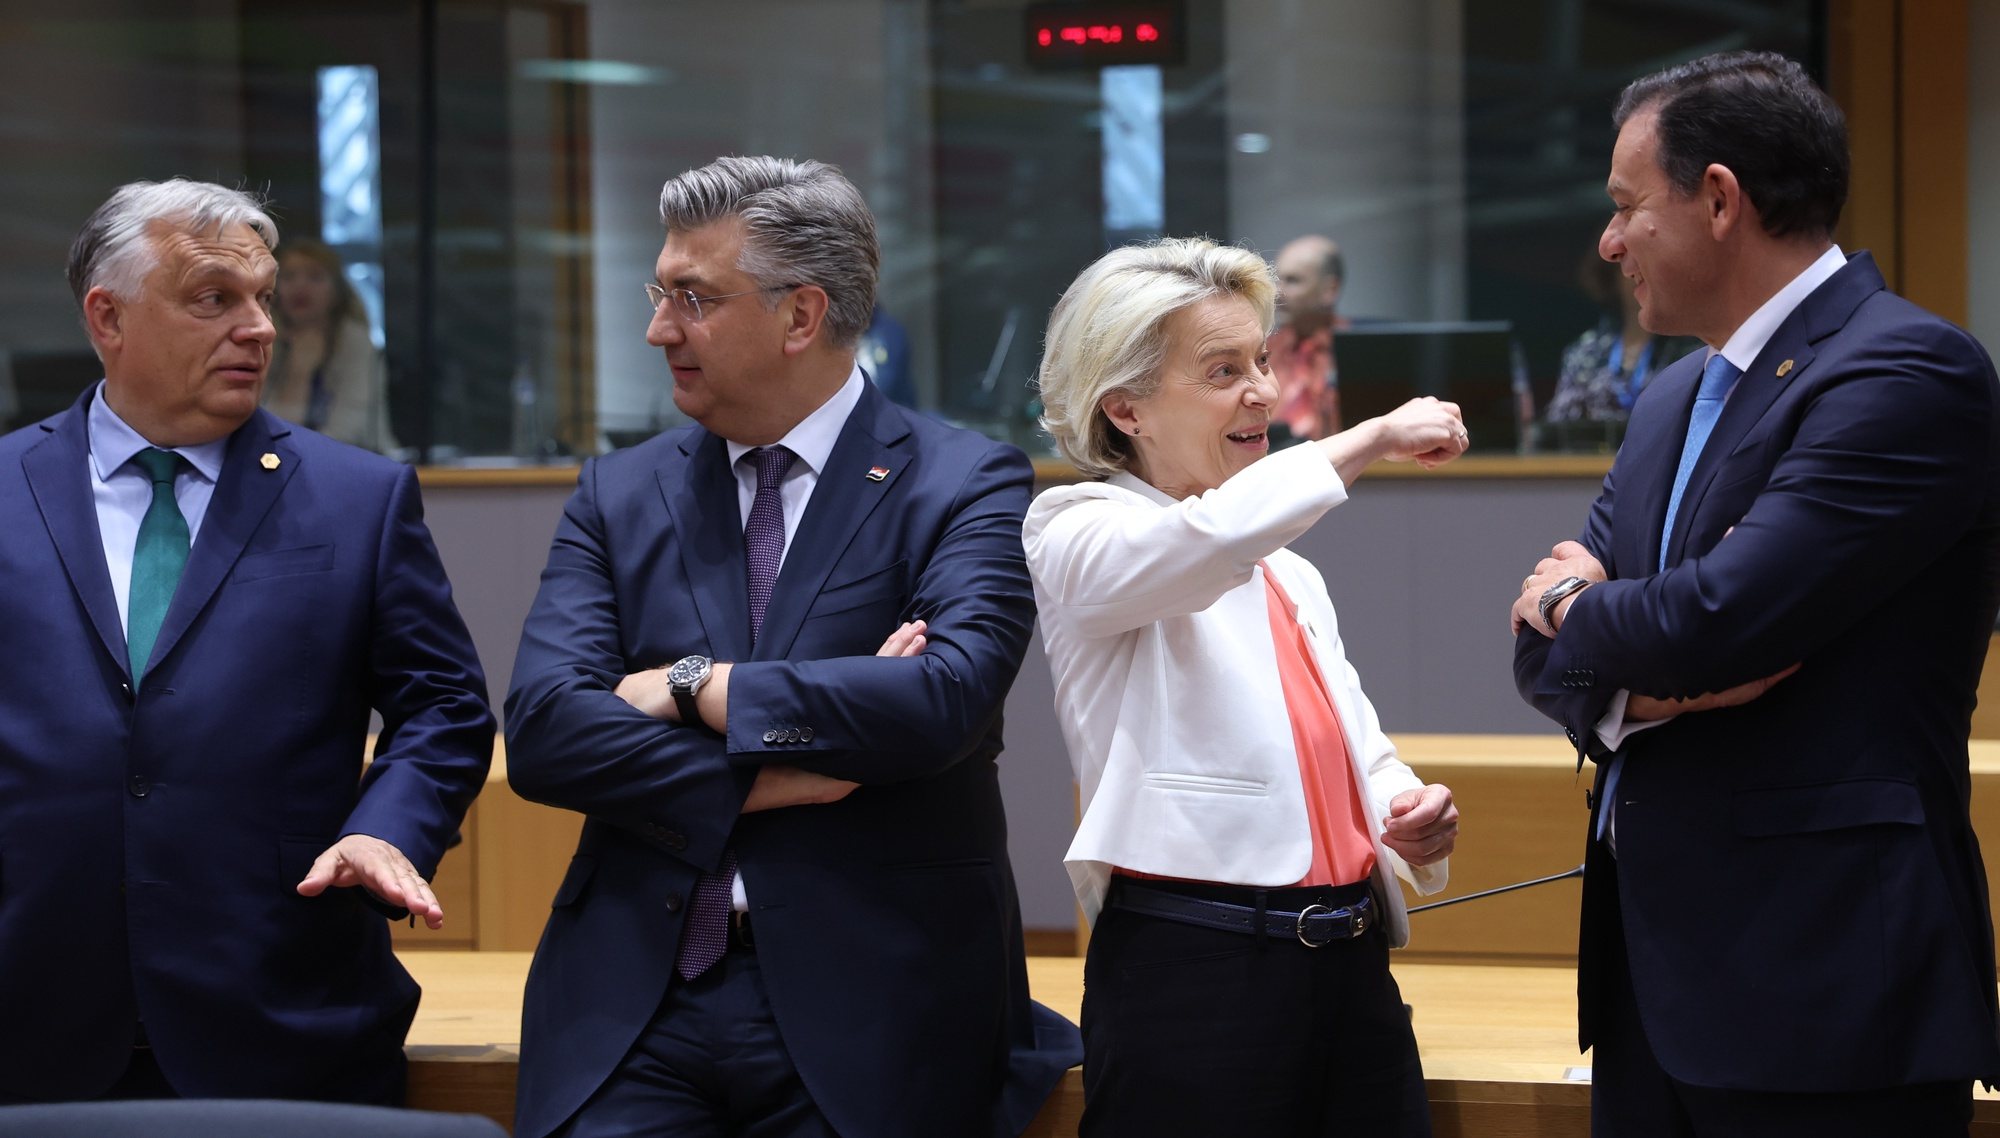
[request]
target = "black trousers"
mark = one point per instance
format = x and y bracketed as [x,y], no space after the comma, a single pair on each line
[1632,1096]
[711,1064]
[1196,1031]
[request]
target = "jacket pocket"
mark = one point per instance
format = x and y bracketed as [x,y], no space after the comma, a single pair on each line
[582,868]
[1205,783]
[1770,811]
[869,588]
[283,563]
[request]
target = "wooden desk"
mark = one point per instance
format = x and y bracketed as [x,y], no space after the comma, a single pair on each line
[1498,1043]
[1521,797]
[496,885]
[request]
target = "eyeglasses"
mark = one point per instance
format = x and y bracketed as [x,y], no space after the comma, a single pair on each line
[688,306]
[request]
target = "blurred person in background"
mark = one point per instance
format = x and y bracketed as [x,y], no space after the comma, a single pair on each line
[1311,272]
[326,373]
[1604,369]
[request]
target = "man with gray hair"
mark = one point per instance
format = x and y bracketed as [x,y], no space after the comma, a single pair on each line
[203,604]
[767,663]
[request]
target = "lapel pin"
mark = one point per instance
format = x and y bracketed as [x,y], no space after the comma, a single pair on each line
[877,473]
[1784,369]
[269,461]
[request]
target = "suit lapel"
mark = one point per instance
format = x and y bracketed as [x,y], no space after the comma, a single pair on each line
[1652,452]
[59,479]
[845,494]
[243,495]
[1787,354]
[708,529]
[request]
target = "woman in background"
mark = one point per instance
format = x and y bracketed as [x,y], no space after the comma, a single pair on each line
[1604,369]
[1244,817]
[326,373]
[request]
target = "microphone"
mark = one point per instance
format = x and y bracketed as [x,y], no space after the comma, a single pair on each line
[1564,875]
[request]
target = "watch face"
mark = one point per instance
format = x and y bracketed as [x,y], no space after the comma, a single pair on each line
[688,670]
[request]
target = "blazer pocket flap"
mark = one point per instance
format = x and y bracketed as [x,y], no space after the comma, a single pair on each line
[881,584]
[1769,811]
[1204,783]
[296,856]
[283,563]
[581,868]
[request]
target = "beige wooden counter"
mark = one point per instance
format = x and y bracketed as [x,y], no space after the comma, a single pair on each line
[1498,1043]
[1521,798]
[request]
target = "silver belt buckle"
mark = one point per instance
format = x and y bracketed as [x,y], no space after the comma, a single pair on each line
[1301,933]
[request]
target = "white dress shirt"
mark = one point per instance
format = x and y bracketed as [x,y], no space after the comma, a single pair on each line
[812,441]
[1741,350]
[123,492]
[1158,633]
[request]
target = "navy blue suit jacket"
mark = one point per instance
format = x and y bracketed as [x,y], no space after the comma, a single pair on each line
[887,928]
[1802,896]
[149,844]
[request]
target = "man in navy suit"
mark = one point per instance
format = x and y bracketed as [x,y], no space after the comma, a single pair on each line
[201,606]
[767,662]
[1769,636]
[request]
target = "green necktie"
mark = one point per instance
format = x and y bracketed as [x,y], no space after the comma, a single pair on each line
[157,561]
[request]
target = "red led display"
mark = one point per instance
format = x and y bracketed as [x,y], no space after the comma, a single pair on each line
[1102,35]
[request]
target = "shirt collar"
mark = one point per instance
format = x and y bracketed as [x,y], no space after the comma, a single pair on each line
[113,442]
[1743,347]
[812,440]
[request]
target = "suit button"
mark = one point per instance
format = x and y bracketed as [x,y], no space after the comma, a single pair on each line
[770,736]
[1571,733]
[127,689]
[791,735]
[138,785]
[805,734]
[675,841]
[673,902]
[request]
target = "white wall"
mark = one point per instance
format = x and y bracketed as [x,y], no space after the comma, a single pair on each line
[843,81]
[1361,103]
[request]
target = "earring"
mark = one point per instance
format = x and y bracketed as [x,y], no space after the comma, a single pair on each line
[1135,432]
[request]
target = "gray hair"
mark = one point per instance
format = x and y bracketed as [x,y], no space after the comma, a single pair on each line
[114,250]
[804,223]
[1107,335]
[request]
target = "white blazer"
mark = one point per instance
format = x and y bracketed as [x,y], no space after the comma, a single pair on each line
[1158,633]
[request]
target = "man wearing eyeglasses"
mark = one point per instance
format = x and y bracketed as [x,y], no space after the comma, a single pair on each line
[767,662]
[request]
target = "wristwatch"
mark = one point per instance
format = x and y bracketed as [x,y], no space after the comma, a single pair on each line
[1555,594]
[683,680]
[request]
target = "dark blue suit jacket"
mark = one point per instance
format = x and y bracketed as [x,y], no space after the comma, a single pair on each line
[149,845]
[887,928]
[1802,895]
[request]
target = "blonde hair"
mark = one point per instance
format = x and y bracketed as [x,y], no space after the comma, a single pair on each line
[1107,335]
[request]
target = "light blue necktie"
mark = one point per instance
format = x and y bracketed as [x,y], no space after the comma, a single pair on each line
[1716,380]
[157,560]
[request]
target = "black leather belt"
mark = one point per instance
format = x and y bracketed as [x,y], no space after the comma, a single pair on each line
[740,936]
[1315,926]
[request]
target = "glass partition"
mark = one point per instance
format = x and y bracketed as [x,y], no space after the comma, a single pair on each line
[483,174]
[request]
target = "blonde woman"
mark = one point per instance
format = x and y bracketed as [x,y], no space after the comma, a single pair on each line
[1243,814]
[326,373]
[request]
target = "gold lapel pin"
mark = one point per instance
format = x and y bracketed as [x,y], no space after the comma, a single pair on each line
[269,461]
[877,473]
[1784,369]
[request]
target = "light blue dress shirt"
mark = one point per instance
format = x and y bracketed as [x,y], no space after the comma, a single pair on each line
[123,492]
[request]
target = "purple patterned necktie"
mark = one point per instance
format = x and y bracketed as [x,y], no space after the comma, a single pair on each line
[705,936]
[764,533]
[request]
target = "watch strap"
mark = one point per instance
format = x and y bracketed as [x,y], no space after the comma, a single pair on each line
[684,699]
